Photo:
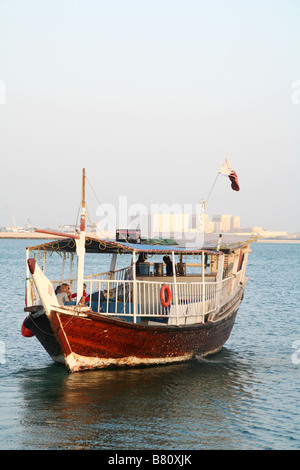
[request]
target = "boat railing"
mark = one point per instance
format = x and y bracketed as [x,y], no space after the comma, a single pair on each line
[120,274]
[229,285]
[191,302]
[32,296]
[97,276]
[142,298]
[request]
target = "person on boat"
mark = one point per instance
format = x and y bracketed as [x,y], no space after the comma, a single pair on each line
[84,294]
[64,294]
[141,259]
[57,290]
[168,262]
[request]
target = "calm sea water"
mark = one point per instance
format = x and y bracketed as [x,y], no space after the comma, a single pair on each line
[245,397]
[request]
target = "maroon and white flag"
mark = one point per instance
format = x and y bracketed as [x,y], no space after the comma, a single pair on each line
[226,170]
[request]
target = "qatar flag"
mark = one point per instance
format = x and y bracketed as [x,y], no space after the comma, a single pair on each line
[226,170]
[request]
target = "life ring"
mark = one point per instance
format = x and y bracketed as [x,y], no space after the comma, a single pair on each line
[165,302]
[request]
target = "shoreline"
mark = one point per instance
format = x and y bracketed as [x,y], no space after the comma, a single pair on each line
[272,240]
[25,236]
[33,236]
[44,236]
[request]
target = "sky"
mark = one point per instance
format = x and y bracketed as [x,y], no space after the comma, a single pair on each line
[150,97]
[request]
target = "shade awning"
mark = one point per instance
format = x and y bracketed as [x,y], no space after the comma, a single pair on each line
[95,245]
[109,246]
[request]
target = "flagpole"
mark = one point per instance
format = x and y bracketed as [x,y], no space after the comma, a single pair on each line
[212,187]
[203,203]
[80,244]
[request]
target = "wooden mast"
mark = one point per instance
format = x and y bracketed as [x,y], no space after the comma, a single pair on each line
[82,219]
[80,245]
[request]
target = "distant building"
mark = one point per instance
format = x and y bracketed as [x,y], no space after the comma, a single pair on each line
[159,223]
[236,223]
[226,223]
[217,221]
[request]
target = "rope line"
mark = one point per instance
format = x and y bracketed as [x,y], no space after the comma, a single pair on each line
[106,213]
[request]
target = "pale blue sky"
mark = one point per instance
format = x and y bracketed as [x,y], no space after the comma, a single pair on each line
[149,97]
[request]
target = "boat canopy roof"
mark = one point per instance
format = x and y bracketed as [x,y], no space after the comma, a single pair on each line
[96,245]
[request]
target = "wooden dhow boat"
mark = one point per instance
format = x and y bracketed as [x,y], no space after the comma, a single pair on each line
[142,313]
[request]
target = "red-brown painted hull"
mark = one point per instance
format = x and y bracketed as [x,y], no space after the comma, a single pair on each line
[96,341]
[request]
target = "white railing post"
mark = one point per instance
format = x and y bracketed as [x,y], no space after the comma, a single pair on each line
[63,267]
[234,271]
[134,286]
[245,261]
[28,291]
[219,277]
[113,265]
[175,286]
[203,286]
[71,266]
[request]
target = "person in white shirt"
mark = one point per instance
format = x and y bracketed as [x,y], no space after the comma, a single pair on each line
[64,295]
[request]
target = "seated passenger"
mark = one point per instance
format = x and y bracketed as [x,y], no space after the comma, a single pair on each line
[97,299]
[141,259]
[64,294]
[168,262]
[84,294]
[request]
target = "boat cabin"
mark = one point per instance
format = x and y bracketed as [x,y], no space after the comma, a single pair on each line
[159,284]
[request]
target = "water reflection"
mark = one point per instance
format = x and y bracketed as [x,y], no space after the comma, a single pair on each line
[186,406]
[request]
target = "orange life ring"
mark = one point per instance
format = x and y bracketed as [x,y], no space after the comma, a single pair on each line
[165,302]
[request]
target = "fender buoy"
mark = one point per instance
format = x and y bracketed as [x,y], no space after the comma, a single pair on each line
[165,302]
[26,332]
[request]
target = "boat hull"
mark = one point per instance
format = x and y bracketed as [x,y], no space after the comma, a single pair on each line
[40,326]
[92,341]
